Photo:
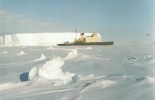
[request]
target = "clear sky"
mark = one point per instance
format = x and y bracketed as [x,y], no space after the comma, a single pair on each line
[124,21]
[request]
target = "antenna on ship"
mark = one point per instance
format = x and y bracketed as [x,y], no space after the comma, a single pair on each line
[75,30]
[75,34]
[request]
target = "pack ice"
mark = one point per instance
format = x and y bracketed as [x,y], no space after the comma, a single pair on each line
[119,72]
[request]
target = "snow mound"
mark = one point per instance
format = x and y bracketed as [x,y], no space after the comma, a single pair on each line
[72,54]
[87,48]
[21,53]
[42,57]
[51,70]
[148,57]
[4,52]
[150,80]
[50,48]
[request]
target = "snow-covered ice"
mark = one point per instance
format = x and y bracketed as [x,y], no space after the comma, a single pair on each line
[119,72]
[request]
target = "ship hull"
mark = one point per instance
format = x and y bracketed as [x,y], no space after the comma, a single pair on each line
[86,44]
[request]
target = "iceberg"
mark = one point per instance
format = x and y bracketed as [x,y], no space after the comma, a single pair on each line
[38,39]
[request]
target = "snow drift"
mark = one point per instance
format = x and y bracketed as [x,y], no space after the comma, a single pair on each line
[38,39]
[50,69]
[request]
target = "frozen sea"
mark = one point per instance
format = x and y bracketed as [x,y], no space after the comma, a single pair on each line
[119,72]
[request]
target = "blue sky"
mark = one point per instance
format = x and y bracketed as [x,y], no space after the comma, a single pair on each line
[124,21]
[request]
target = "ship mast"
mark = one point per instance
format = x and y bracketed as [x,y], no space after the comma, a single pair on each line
[75,35]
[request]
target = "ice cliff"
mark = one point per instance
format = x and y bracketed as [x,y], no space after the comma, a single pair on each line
[38,39]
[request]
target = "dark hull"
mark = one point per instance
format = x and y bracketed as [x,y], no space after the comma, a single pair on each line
[86,44]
